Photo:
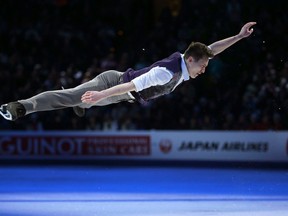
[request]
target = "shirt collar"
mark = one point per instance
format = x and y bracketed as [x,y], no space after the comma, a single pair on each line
[185,73]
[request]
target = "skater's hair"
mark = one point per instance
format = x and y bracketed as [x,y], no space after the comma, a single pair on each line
[198,51]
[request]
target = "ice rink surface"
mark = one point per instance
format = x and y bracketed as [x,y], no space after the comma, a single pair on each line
[151,191]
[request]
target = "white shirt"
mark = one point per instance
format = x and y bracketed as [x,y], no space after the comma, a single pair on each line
[159,76]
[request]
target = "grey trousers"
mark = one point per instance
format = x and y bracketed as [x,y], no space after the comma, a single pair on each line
[59,99]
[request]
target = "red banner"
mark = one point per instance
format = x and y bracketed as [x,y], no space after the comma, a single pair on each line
[74,145]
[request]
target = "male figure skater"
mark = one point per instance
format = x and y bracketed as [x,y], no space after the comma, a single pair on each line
[142,85]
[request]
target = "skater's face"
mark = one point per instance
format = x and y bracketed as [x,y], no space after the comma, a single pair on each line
[195,68]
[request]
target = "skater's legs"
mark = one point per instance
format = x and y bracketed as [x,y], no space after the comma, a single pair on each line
[59,99]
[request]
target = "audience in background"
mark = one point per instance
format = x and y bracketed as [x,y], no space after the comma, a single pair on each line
[49,44]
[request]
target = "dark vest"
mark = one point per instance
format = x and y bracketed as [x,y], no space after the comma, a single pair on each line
[172,63]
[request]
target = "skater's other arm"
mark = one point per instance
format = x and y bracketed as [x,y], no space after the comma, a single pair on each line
[96,96]
[219,46]
[156,76]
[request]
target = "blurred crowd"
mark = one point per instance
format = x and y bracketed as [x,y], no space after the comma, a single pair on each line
[50,44]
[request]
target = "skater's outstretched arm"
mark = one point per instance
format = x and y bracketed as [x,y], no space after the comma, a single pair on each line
[219,46]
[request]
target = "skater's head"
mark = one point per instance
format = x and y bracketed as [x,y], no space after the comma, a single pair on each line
[196,58]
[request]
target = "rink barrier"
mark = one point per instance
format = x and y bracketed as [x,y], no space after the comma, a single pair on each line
[266,146]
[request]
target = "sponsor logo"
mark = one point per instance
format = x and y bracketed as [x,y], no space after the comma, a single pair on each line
[75,145]
[165,146]
[225,146]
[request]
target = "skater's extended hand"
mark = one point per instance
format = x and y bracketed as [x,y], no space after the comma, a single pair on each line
[246,30]
[91,97]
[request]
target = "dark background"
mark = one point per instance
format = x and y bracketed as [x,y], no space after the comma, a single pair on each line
[52,43]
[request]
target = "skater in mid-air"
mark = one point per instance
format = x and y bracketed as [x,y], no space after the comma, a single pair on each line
[142,85]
